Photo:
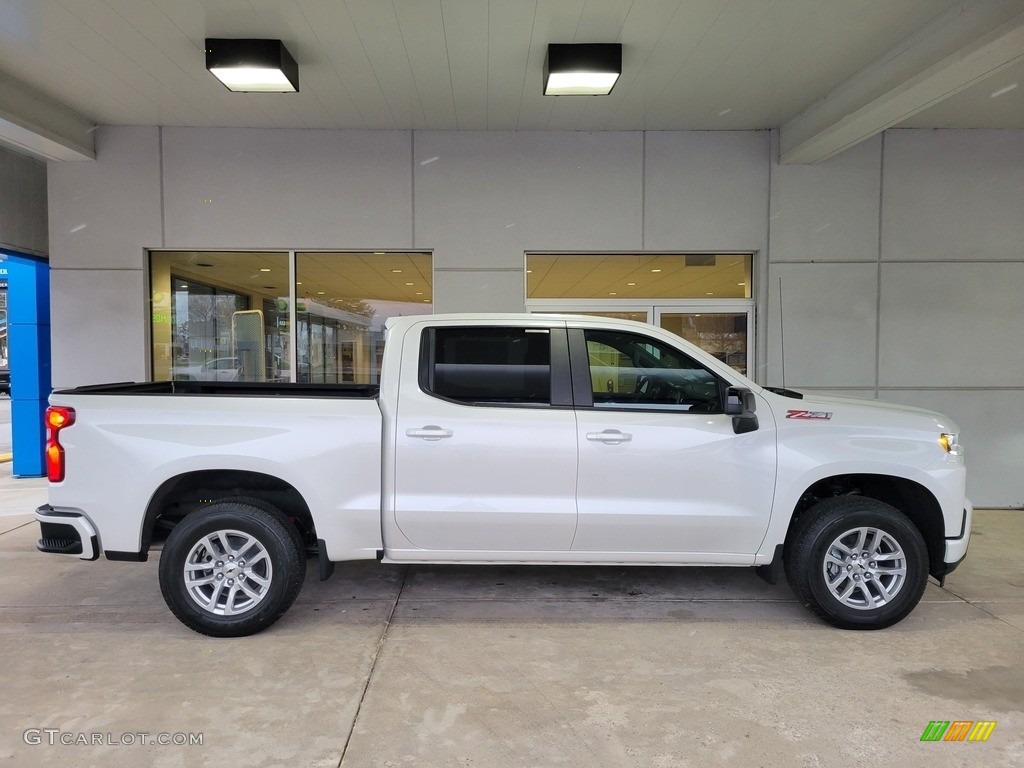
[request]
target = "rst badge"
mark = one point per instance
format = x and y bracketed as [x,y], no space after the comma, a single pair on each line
[809,415]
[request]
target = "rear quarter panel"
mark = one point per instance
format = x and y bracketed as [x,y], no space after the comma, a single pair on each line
[123,447]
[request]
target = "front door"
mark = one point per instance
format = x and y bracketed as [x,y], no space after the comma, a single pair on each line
[661,468]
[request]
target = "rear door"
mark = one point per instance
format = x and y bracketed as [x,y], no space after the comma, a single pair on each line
[485,445]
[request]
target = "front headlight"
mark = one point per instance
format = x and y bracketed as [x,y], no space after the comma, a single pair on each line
[950,442]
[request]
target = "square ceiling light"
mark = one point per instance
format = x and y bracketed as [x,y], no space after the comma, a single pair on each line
[582,69]
[261,66]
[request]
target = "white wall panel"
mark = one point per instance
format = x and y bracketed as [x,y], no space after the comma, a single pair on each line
[706,190]
[952,325]
[98,325]
[953,195]
[828,211]
[482,199]
[23,222]
[241,188]
[103,214]
[478,291]
[829,313]
[990,431]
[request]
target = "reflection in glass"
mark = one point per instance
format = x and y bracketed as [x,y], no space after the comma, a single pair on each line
[343,301]
[210,318]
[621,276]
[225,316]
[723,334]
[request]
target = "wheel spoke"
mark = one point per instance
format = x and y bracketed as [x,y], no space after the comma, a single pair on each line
[259,557]
[192,581]
[245,546]
[834,583]
[249,590]
[218,588]
[865,590]
[896,554]
[862,535]
[838,544]
[876,541]
[884,593]
[229,604]
[263,582]
[848,591]
[211,547]
[222,537]
[898,571]
[834,560]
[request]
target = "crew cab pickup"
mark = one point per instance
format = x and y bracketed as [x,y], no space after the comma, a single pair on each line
[506,439]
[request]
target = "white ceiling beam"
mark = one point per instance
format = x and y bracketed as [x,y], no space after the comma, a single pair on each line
[37,125]
[959,48]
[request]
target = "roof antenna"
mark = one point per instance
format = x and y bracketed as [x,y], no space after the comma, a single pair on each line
[782,336]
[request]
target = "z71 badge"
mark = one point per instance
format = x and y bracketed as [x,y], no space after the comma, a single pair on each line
[811,415]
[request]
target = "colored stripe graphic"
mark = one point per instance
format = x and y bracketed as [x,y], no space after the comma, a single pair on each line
[982,730]
[958,730]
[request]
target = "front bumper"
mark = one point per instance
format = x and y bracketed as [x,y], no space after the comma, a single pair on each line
[66,533]
[956,546]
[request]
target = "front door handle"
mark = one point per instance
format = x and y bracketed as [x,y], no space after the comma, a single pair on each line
[609,437]
[429,432]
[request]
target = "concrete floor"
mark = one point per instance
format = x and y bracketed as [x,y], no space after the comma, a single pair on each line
[462,666]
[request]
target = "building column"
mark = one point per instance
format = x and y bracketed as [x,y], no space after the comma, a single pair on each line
[28,334]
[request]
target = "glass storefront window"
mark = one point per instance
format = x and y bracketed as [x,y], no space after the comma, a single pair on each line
[226,316]
[209,319]
[703,297]
[620,276]
[342,303]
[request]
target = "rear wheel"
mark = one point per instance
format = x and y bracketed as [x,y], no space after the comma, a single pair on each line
[857,562]
[231,569]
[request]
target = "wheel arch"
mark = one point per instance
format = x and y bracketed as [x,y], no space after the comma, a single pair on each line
[911,498]
[185,493]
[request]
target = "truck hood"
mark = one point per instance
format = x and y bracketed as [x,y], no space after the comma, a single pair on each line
[862,410]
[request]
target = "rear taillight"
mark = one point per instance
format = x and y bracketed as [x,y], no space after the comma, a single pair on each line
[57,417]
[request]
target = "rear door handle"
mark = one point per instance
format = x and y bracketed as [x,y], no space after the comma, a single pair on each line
[609,437]
[429,432]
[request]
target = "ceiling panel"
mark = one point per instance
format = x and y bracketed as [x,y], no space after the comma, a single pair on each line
[475,64]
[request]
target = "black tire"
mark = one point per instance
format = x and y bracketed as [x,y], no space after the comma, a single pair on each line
[266,506]
[229,596]
[831,576]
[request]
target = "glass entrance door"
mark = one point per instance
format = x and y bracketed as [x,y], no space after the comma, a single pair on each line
[726,334]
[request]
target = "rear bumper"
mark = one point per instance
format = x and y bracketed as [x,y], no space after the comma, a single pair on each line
[66,533]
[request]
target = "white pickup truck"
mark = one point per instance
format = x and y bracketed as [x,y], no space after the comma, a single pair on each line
[506,439]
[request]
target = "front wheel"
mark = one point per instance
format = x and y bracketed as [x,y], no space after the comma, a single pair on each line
[231,569]
[857,562]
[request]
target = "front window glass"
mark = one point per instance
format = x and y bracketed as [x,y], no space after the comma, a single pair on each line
[630,371]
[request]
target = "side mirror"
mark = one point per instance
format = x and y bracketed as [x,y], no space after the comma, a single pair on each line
[740,404]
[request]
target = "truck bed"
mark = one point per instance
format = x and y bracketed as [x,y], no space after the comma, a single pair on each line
[229,389]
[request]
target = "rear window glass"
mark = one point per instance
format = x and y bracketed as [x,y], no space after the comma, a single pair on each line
[489,365]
